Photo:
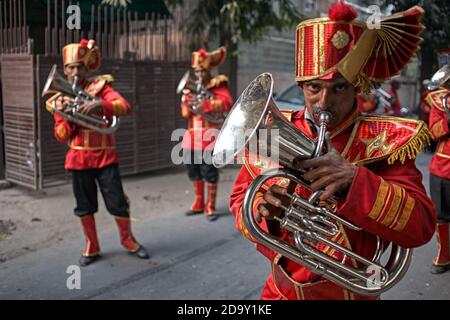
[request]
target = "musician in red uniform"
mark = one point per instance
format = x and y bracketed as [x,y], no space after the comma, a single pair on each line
[198,141]
[368,173]
[395,107]
[92,157]
[440,169]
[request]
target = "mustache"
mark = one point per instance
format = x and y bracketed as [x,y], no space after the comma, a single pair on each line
[316,110]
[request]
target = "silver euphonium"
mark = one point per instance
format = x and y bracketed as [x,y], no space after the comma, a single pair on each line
[309,223]
[57,84]
[438,80]
[201,93]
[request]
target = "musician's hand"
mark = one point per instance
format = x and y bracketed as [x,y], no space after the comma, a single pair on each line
[198,107]
[271,202]
[63,103]
[89,107]
[330,172]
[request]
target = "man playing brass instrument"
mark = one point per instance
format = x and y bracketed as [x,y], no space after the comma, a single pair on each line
[440,164]
[92,158]
[197,140]
[368,175]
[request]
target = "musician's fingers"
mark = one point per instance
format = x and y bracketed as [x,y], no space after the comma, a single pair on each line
[323,182]
[328,192]
[262,212]
[68,99]
[84,108]
[314,163]
[317,173]
[278,190]
[271,199]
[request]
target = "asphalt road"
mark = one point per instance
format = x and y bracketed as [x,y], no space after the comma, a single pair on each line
[191,259]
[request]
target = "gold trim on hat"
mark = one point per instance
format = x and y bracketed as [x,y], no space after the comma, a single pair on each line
[315,48]
[321,48]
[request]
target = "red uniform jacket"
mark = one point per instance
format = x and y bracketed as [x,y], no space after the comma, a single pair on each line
[90,149]
[440,163]
[196,137]
[386,197]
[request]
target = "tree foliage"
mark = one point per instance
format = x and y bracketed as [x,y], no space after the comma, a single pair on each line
[239,20]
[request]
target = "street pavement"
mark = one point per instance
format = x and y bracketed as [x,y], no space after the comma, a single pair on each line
[191,258]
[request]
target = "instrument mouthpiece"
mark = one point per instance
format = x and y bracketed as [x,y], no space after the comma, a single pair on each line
[324,117]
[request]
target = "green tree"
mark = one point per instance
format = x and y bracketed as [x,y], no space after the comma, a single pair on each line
[232,21]
[437,33]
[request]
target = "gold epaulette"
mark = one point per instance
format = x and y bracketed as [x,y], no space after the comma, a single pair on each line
[108,78]
[217,81]
[376,138]
[434,98]
[49,102]
[97,83]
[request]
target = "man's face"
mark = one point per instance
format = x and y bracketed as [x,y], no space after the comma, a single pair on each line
[336,96]
[73,70]
[203,73]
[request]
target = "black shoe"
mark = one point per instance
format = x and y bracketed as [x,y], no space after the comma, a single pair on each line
[211,217]
[142,253]
[192,212]
[439,269]
[87,260]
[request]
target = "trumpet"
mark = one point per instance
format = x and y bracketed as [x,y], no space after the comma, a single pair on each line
[439,78]
[201,93]
[57,84]
[309,223]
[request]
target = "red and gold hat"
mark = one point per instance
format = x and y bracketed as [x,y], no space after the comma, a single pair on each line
[86,51]
[362,54]
[208,60]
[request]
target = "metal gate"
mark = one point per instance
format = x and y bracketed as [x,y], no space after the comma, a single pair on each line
[2,154]
[19,117]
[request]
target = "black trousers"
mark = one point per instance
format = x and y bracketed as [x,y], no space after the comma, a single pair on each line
[85,190]
[440,193]
[197,168]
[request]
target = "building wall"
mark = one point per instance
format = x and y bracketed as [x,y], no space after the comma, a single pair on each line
[275,53]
